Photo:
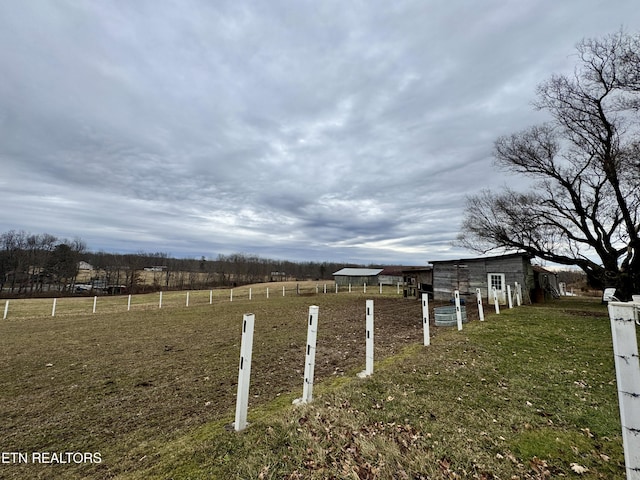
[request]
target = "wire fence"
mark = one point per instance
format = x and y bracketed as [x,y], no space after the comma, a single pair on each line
[20,308]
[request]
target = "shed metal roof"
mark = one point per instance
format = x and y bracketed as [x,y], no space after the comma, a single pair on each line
[482,259]
[359,272]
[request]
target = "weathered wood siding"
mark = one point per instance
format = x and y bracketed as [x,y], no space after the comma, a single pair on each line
[344,280]
[389,279]
[467,275]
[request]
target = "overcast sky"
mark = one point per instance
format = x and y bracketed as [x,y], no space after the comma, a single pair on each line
[298,130]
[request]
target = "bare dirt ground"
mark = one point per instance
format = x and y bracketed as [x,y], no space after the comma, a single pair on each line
[123,383]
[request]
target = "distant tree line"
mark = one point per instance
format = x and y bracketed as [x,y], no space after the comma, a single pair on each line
[34,264]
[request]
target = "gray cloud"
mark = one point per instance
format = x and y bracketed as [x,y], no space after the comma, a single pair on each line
[297,130]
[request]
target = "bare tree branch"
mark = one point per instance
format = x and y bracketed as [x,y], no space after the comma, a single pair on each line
[585,209]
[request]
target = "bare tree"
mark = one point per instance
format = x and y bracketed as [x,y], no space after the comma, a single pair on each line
[584,209]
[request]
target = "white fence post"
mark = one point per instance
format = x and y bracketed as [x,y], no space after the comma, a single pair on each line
[425,319]
[6,309]
[160,301]
[369,341]
[325,288]
[398,288]
[349,288]
[53,308]
[623,317]
[244,372]
[129,303]
[480,307]
[210,297]
[267,292]
[249,293]
[495,300]
[95,301]
[231,295]
[380,288]
[365,287]
[456,296]
[509,298]
[187,301]
[518,295]
[336,288]
[317,289]
[283,290]
[310,356]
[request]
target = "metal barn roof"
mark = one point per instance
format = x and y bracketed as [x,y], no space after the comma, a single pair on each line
[359,272]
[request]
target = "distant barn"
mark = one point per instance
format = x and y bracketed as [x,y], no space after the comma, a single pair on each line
[391,275]
[357,276]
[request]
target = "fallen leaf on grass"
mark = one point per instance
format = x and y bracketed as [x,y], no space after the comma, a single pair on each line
[587,432]
[579,469]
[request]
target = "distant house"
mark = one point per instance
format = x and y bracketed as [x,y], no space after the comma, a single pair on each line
[278,277]
[357,276]
[467,274]
[156,268]
[115,289]
[82,265]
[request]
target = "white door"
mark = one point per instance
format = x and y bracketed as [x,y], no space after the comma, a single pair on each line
[497,280]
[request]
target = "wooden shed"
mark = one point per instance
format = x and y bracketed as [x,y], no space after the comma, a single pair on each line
[546,284]
[467,274]
[417,280]
[357,276]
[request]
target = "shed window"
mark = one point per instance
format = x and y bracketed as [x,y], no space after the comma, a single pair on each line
[496,281]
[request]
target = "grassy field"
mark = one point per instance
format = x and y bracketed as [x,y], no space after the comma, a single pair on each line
[527,394]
